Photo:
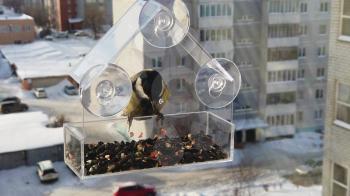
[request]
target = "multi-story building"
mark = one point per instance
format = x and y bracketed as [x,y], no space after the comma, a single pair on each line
[336,164]
[63,14]
[280,47]
[297,57]
[16,28]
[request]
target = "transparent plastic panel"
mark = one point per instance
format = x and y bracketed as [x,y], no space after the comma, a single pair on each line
[73,142]
[180,140]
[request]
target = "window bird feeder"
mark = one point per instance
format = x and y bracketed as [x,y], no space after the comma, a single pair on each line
[137,125]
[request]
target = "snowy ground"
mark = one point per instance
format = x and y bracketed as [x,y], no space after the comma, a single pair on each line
[278,156]
[23,181]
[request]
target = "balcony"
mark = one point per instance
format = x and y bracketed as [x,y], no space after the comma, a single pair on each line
[284,18]
[281,108]
[209,22]
[279,87]
[282,65]
[283,42]
[279,131]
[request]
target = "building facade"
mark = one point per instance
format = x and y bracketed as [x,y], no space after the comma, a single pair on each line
[63,14]
[281,49]
[16,28]
[336,164]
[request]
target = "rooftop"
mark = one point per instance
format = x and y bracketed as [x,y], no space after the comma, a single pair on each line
[11,15]
[14,135]
[47,58]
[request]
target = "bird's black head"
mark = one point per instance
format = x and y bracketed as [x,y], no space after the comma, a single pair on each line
[152,84]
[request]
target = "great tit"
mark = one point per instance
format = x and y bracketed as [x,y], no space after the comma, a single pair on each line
[150,94]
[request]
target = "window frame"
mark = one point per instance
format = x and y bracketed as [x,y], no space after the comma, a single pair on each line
[341,36]
[339,183]
[337,122]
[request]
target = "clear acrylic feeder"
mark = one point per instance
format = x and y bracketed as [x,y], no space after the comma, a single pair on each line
[192,140]
[152,97]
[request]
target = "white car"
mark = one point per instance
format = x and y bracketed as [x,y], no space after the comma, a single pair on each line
[46,171]
[40,93]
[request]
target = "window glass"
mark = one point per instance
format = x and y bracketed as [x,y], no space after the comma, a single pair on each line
[340,174]
[346,26]
[346,7]
[338,190]
[344,93]
[343,113]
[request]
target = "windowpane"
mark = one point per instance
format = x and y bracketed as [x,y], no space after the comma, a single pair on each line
[346,26]
[344,93]
[343,113]
[346,8]
[338,190]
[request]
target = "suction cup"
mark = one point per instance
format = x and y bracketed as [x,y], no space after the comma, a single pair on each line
[168,27]
[105,90]
[212,89]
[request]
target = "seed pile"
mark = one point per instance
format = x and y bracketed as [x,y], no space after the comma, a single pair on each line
[103,157]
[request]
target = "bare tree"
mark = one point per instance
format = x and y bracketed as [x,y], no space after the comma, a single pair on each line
[94,18]
[15,4]
[40,15]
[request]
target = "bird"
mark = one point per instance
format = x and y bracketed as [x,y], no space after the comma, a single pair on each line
[149,95]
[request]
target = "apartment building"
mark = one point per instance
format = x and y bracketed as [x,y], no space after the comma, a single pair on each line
[16,28]
[336,164]
[281,49]
[297,57]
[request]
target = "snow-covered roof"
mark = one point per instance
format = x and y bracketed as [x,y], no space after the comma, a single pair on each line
[11,15]
[21,131]
[47,58]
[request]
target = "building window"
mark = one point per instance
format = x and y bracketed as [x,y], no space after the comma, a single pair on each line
[303,29]
[324,7]
[282,76]
[339,180]
[319,94]
[4,29]
[321,51]
[345,18]
[343,103]
[282,53]
[300,116]
[282,6]
[283,30]
[322,29]
[181,61]
[157,62]
[280,98]
[320,73]
[213,10]
[318,114]
[302,52]
[303,7]
[301,74]
[180,84]
[280,120]
[215,34]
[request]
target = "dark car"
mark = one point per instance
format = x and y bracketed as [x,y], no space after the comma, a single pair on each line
[12,107]
[71,90]
[11,99]
[132,189]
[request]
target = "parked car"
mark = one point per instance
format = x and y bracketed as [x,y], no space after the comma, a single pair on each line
[132,189]
[71,90]
[48,38]
[46,171]
[12,107]
[40,93]
[61,34]
[11,99]
[81,34]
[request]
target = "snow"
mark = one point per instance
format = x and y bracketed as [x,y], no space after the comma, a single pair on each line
[303,142]
[5,69]
[75,20]
[20,131]
[47,58]
[10,15]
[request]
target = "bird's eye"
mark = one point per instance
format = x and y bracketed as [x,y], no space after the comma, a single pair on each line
[161,101]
